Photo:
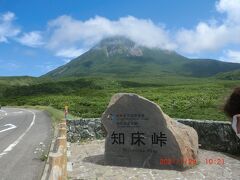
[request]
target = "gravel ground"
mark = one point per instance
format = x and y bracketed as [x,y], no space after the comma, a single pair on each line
[88,163]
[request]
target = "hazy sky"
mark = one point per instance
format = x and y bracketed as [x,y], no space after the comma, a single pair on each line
[37,36]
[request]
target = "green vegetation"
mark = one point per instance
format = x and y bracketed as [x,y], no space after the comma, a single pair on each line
[179,97]
[17,80]
[43,157]
[120,57]
[41,152]
[184,88]
[232,75]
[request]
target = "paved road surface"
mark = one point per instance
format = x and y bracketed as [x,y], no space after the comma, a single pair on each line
[22,134]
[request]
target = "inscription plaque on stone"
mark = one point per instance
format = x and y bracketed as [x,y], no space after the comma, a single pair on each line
[140,134]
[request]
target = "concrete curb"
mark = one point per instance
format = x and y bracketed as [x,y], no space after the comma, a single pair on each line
[56,165]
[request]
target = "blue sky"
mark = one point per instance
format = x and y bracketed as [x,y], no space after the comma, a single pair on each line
[38,36]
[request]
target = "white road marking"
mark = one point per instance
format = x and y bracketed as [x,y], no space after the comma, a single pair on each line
[11,146]
[11,126]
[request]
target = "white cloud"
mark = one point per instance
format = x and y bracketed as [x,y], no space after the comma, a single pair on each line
[8,17]
[231,8]
[67,32]
[7,29]
[68,37]
[210,37]
[207,37]
[66,60]
[231,56]
[46,67]
[70,52]
[32,39]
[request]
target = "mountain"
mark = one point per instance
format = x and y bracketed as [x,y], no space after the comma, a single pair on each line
[119,56]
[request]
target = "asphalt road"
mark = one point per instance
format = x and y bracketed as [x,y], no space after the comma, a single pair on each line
[23,134]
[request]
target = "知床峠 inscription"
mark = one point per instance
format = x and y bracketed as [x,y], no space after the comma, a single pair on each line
[139,134]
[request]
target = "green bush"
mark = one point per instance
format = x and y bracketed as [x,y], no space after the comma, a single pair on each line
[179,98]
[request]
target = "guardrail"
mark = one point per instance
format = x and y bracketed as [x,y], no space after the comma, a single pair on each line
[56,166]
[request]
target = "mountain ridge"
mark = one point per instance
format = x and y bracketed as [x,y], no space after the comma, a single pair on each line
[119,56]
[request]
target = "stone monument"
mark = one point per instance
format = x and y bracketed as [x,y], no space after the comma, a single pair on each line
[140,134]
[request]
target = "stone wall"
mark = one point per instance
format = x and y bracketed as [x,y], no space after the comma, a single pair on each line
[213,135]
[84,129]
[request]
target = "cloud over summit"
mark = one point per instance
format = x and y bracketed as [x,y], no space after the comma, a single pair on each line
[206,36]
[67,31]
[68,37]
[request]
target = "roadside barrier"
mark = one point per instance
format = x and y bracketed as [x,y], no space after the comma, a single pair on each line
[56,166]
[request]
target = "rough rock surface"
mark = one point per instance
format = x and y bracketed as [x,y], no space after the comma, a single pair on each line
[215,135]
[140,134]
[84,129]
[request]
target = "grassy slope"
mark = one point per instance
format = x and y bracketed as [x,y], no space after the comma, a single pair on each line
[88,97]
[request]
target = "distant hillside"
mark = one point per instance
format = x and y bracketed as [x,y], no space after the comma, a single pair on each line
[6,82]
[119,56]
[17,80]
[232,75]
